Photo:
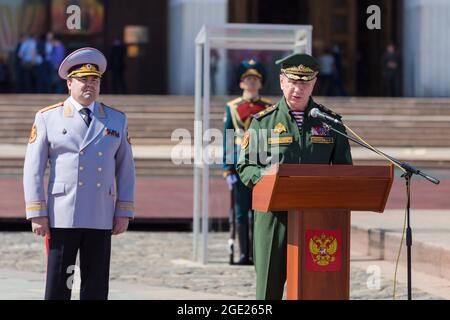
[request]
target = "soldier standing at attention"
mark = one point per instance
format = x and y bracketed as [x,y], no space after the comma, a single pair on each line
[287,133]
[238,113]
[91,182]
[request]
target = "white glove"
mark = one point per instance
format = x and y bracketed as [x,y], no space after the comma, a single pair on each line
[231,179]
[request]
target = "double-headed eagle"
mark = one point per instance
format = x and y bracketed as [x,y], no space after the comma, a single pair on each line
[323,249]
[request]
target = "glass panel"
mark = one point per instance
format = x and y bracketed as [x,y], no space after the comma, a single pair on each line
[261,37]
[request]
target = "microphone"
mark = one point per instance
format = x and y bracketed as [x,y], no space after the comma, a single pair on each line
[316,113]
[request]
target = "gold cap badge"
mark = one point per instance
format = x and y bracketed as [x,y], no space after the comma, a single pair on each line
[84,70]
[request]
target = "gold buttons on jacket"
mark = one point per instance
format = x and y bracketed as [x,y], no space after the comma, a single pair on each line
[81,168]
[100,153]
[80,183]
[99,169]
[99,184]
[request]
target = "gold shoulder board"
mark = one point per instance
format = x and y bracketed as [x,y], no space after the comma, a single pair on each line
[59,104]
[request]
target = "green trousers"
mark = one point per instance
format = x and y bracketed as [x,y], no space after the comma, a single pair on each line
[242,202]
[269,254]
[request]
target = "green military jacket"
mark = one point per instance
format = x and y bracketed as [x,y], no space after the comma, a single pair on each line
[283,142]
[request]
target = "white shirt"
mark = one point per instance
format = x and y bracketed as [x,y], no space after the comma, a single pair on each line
[79,106]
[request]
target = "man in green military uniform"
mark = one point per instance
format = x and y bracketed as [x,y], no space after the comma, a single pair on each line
[237,118]
[286,133]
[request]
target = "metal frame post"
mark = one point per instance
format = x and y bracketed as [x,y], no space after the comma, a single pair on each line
[197,148]
[205,169]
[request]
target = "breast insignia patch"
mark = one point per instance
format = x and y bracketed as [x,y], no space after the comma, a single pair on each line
[279,128]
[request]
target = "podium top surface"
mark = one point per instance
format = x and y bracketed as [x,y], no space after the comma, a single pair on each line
[325,170]
[309,186]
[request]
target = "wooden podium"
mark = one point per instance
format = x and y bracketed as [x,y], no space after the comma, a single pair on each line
[319,199]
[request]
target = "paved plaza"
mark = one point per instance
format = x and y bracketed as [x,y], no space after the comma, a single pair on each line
[159,266]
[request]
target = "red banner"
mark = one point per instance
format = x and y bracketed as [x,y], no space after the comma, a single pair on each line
[323,250]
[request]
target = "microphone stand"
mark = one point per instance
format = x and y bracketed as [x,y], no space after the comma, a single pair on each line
[409,171]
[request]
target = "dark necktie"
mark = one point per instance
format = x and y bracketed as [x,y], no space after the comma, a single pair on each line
[86,112]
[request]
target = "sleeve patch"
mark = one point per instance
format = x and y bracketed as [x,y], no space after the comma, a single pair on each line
[33,134]
[128,137]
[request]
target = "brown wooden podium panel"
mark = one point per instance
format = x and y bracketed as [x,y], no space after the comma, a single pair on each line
[313,285]
[319,200]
